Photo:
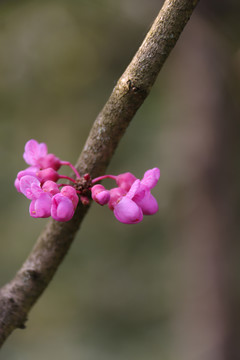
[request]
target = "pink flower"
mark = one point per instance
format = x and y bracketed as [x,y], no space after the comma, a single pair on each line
[41,207]
[70,193]
[47,174]
[62,208]
[50,187]
[36,154]
[126,210]
[148,203]
[30,186]
[100,194]
[129,207]
[31,170]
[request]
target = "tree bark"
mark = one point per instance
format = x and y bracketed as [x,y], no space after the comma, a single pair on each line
[18,296]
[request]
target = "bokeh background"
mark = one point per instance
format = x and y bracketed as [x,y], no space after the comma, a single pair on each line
[169,287]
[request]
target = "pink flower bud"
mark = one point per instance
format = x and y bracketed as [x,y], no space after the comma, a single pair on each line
[62,208]
[100,194]
[41,207]
[71,193]
[84,200]
[47,174]
[128,212]
[50,187]
[87,176]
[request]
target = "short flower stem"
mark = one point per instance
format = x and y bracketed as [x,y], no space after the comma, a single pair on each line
[72,167]
[103,177]
[66,177]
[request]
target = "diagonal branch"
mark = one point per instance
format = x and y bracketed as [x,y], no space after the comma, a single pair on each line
[18,296]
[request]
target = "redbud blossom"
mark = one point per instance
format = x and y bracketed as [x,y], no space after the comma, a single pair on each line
[29,185]
[129,200]
[34,151]
[71,193]
[47,174]
[41,207]
[100,194]
[126,210]
[62,208]
[50,187]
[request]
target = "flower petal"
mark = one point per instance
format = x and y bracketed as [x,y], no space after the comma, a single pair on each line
[42,150]
[128,212]
[70,192]
[137,190]
[62,208]
[25,185]
[31,152]
[151,178]
[148,204]
[125,180]
[41,207]
[115,196]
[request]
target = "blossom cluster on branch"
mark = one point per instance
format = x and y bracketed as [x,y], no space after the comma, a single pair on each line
[130,200]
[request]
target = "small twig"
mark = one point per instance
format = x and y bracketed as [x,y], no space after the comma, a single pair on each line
[18,296]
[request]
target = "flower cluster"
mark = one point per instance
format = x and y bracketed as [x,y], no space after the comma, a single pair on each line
[130,200]
[38,183]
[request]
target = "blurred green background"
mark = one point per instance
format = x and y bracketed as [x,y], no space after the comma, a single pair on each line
[167,288]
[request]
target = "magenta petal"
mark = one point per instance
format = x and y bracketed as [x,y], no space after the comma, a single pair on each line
[137,191]
[70,192]
[31,152]
[49,161]
[26,183]
[115,196]
[41,207]
[47,174]
[128,212]
[42,150]
[103,197]
[125,180]
[32,210]
[50,187]
[31,170]
[36,191]
[151,178]
[100,194]
[148,204]
[62,208]
[134,188]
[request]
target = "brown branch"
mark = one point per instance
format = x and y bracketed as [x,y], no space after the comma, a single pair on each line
[18,296]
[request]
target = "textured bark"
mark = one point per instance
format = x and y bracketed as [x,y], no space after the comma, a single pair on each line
[18,296]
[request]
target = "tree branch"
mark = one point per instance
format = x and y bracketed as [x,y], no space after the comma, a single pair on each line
[18,296]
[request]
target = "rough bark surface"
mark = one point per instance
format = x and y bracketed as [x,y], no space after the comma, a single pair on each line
[18,296]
